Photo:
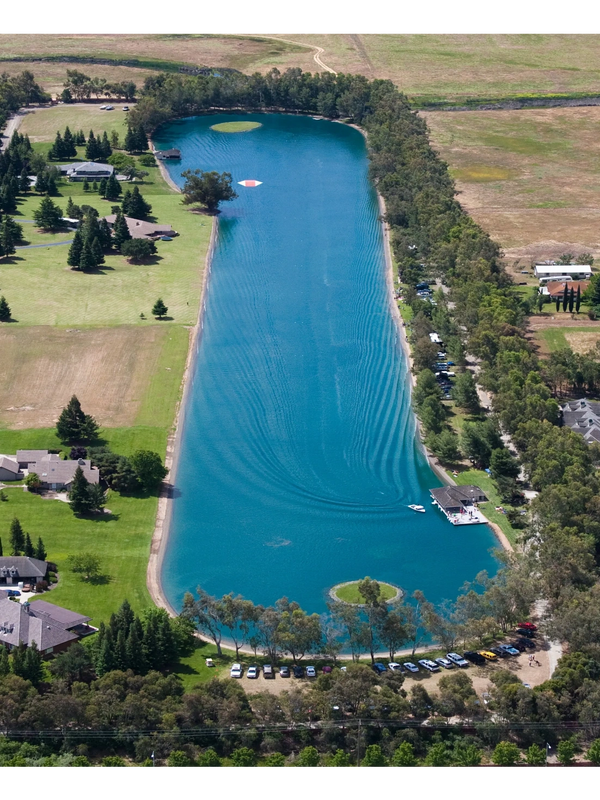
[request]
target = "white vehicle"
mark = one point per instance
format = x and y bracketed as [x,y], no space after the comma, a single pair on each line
[236,671]
[444,662]
[458,660]
[420,509]
[252,672]
[395,667]
[427,663]
[102,108]
[311,672]
[210,662]
[410,666]
[125,108]
[109,108]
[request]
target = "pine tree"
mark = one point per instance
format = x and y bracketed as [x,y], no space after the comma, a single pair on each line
[86,185]
[5,312]
[79,498]
[130,140]
[93,149]
[136,657]
[4,663]
[571,299]
[48,215]
[121,651]
[7,237]
[40,550]
[113,188]
[74,425]
[80,139]
[102,187]
[57,151]
[104,234]
[51,188]
[97,253]
[120,230]
[134,204]
[578,299]
[141,140]
[24,181]
[95,186]
[17,537]
[33,665]
[28,547]
[86,260]
[114,140]
[41,184]
[105,147]
[565,301]
[18,660]
[70,151]
[74,257]
[70,208]
[159,309]
[125,617]
[105,662]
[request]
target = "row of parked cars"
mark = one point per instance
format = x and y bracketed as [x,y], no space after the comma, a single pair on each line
[523,641]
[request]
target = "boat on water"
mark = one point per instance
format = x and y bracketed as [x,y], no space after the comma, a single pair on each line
[420,509]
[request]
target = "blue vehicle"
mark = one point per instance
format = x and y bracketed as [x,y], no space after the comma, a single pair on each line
[166,238]
[13,593]
[512,651]
[379,668]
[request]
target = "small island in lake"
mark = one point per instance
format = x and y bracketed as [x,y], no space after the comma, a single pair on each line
[235,127]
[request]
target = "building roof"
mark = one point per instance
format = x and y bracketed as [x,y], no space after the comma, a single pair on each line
[139,229]
[583,416]
[453,496]
[562,269]
[558,287]
[9,464]
[59,616]
[20,623]
[90,167]
[173,152]
[52,469]
[26,456]
[22,567]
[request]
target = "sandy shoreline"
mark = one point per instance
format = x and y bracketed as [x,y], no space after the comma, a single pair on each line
[163,513]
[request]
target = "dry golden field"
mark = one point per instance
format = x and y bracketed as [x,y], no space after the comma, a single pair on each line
[531,178]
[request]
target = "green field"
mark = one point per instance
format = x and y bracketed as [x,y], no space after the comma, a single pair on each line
[41,124]
[235,127]
[350,594]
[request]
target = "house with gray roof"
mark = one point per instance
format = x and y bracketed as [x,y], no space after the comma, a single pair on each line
[582,416]
[14,569]
[51,627]
[56,474]
[27,457]
[9,469]
[86,171]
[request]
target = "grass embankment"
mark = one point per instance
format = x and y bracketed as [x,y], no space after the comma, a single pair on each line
[235,127]
[349,593]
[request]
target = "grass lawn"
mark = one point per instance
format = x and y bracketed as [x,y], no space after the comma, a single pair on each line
[580,340]
[41,124]
[235,127]
[350,593]
[482,479]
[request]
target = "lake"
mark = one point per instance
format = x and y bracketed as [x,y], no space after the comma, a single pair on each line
[298,454]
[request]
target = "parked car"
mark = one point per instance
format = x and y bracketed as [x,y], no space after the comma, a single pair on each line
[444,662]
[125,108]
[395,667]
[253,672]
[284,672]
[508,648]
[486,697]
[458,660]
[498,651]
[451,363]
[474,658]
[529,625]
[526,633]
[268,671]
[13,593]
[210,662]
[379,668]
[311,672]
[236,671]
[488,655]
[518,646]
[527,643]
[298,671]
[327,669]
[410,666]
[428,664]
[344,669]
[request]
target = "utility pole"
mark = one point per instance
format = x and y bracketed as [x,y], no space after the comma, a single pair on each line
[358,744]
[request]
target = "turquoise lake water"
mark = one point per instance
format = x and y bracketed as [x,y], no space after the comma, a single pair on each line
[298,456]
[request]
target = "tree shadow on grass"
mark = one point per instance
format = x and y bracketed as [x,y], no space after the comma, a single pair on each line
[99,580]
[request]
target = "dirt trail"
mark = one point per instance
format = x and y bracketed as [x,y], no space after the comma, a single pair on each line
[318,51]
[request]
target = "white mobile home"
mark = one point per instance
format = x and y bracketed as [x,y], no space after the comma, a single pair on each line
[575,272]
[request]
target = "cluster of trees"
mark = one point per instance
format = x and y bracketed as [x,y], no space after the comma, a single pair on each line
[142,471]
[17,91]
[90,242]
[65,145]
[134,205]
[486,607]
[85,497]
[152,641]
[21,544]
[79,86]
[569,373]
[136,140]
[17,162]
[99,148]
[48,215]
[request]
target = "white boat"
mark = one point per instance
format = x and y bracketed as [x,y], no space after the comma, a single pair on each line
[420,509]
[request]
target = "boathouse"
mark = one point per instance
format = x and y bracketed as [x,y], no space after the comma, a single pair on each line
[458,503]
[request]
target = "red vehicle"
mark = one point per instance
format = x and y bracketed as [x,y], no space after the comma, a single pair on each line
[527,625]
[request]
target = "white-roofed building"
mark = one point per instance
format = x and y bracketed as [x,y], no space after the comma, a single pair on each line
[575,272]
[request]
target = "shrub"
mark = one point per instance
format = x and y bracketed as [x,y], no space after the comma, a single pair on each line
[566,752]
[81,761]
[506,754]
[243,757]
[404,756]
[209,759]
[113,761]
[374,757]
[179,759]
[535,756]
[275,759]
[309,757]
[593,753]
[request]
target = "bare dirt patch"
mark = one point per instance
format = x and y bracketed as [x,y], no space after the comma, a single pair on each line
[109,369]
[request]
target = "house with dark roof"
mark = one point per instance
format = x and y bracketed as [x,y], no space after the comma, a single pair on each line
[459,503]
[173,153]
[27,457]
[140,229]
[582,416]
[14,569]
[51,627]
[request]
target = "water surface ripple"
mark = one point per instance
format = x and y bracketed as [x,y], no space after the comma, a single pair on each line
[298,456]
